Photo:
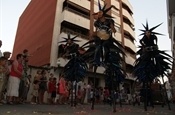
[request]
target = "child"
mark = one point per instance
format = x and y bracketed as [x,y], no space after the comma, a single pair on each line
[34,99]
[57,93]
[49,90]
[53,92]
[62,90]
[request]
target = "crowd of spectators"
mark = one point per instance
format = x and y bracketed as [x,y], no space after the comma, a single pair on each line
[17,86]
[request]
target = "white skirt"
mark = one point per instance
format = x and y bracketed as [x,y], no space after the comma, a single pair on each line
[13,86]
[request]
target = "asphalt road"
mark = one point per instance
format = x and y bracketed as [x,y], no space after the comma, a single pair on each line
[28,109]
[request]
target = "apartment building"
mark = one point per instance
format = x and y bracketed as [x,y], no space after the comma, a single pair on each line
[171,30]
[43,24]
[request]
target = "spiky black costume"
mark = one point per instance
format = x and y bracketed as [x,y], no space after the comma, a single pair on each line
[66,50]
[103,49]
[152,62]
[103,43]
[76,68]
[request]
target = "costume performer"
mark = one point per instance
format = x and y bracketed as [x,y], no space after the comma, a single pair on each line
[69,48]
[103,43]
[103,49]
[152,62]
[76,68]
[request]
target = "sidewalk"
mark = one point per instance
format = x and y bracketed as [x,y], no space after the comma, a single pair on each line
[28,109]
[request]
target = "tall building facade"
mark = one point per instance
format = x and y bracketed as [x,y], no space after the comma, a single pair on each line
[171,30]
[43,24]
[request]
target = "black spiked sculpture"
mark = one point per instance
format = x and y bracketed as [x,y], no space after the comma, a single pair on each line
[151,63]
[104,50]
[75,69]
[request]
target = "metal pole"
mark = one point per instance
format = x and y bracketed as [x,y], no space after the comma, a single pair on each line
[146,95]
[75,99]
[93,99]
[120,101]
[114,95]
[72,93]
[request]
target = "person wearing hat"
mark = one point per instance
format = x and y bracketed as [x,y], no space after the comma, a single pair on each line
[7,54]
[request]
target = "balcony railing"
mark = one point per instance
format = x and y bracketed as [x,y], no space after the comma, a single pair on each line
[129,29]
[75,18]
[76,12]
[129,59]
[128,15]
[66,30]
[82,3]
[128,4]
[130,44]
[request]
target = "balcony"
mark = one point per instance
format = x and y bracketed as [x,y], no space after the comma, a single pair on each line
[130,44]
[129,59]
[83,3]
[129,29]
[76,18]
[128,15]
[128,4]
[115,3]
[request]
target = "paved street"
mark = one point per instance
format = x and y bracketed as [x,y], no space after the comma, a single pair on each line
[28,109]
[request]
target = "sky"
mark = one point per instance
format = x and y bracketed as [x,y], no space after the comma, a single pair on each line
[10,11]
[155,12]
[152,10]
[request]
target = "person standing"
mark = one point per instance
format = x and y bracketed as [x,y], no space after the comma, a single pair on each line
[49,90]
[53,94]
[14,79]
[0,47]
[42,86]
[24,76]
[35,93]
[37,76]
[62,89]
[2,76]
[26,89]
[6,55]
